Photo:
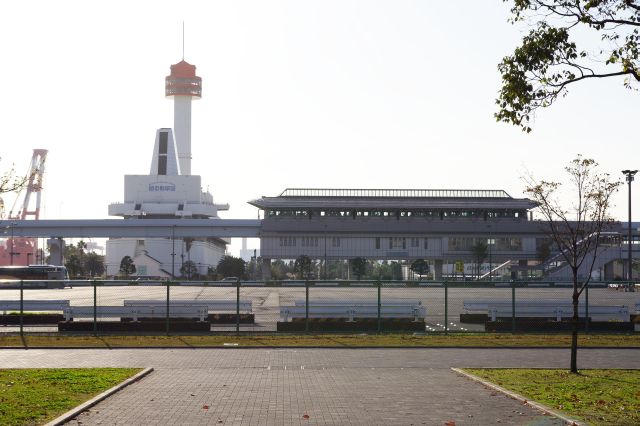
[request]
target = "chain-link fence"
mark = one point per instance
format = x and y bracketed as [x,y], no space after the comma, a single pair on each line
[197,307]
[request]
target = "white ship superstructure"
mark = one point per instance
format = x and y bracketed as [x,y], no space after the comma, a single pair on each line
[168,191]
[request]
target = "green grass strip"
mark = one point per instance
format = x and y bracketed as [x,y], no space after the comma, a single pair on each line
[35,396]
[598,397]
[324,340]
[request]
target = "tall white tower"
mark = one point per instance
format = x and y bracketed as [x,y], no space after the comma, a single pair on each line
[183,84]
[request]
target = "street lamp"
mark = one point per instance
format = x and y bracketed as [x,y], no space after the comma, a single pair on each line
[629,178]
[12,252]
[173,251]
[490,259]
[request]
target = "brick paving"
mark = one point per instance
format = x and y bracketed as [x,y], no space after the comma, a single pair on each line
[330,386]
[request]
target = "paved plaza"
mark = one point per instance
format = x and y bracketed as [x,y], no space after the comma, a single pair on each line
[330,386]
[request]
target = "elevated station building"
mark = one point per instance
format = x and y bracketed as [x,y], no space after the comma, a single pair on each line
[439,225]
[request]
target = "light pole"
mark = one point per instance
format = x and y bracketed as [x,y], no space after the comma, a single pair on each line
[173,251]
[12,252]
[629,178]
[324,264]
[490,260]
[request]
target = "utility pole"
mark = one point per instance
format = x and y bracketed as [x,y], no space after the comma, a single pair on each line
[629,174]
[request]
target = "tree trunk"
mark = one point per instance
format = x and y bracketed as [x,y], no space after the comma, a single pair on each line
[574,321]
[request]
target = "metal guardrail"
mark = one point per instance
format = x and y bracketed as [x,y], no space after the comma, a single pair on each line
[438,302]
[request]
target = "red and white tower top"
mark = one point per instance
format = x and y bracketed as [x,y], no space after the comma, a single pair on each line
[183,85]
[183,81]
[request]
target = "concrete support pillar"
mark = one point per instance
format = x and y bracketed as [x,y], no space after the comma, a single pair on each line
[437,269]
[524,268]
[56,251]
[266,269]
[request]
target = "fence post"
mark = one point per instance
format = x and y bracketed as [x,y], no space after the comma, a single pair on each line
[95,308]
[586,308]
[379,307]
[513,306]
[238,307]
[167,322]
[21,307]
[446,308]
[306,306]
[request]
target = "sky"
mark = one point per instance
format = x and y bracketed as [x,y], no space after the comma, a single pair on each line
[314,94]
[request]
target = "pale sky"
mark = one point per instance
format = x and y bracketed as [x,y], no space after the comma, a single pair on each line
[319,94]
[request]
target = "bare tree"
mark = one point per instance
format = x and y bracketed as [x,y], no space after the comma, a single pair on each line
[576,230]
[9,182]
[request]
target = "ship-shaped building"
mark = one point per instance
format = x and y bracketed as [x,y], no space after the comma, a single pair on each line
[169,191]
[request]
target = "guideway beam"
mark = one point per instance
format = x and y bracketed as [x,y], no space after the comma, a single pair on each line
[137,228]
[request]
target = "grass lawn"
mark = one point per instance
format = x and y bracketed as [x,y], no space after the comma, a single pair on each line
[598,397]
[325,340]
[35,396]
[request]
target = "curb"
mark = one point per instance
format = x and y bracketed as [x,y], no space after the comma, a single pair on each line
[320,347]
[518,397]
[93,401]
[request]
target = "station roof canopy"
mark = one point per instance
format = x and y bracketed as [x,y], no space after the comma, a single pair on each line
[324,198]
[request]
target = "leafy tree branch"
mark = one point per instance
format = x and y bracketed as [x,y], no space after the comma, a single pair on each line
[548,59]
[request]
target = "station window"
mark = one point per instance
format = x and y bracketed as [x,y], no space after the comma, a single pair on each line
[309,241]
[287,241]
[335,242]
[415,242]
[377,242]
[397,243]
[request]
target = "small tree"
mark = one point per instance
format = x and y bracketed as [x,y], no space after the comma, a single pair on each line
[480,253]
[189,269]
[302,266]
[420,267]
[94,264]
[73,265]
[543,252]
[81,248]
[358,266]
[230,266]
[127,267]
[576,230]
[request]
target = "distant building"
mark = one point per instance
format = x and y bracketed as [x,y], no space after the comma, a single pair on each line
[248,254]
[441,226]
[168,191]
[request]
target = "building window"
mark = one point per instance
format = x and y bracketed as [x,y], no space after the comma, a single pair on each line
[162,165]
[335,242]
[398,243]
[426,243]
[309,241]
[378,243]
[288,242]
[415,242]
